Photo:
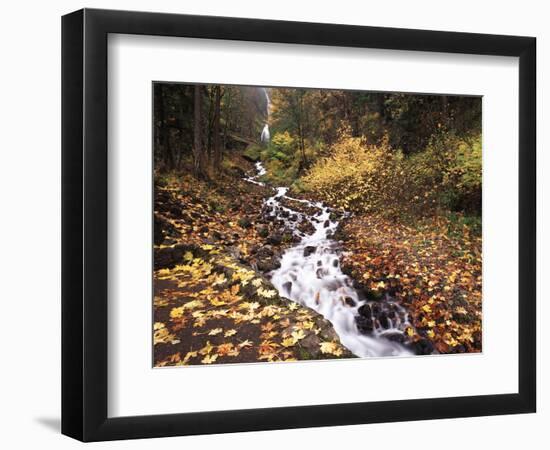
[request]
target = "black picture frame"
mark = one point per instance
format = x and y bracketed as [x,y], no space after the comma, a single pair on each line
[84,224]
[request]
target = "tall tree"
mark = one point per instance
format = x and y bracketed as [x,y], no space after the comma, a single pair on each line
[198,150]
[217,153]
[165,135]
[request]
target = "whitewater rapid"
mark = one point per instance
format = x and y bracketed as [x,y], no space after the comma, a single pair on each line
[310,274]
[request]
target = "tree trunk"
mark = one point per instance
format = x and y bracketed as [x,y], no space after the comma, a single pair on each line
[198,151]
[217,154]
[301,129]
[165,132]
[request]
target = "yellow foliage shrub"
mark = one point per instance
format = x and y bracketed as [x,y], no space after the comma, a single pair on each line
[361,177]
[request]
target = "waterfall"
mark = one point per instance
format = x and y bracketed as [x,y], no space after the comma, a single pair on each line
[265,134]
[267,104]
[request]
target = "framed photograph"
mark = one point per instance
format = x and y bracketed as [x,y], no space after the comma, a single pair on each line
[273,224]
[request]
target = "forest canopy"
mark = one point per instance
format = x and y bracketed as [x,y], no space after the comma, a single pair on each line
[392,153]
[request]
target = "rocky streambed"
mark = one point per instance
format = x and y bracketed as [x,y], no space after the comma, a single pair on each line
[307,271]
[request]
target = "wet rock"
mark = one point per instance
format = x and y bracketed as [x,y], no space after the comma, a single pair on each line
[335,263]
[349,301]
[262,231]
[309,250]
[287,237]
[383,319]
[364,324]
[305,227]
[459,349]
[287,287]
[162,228]
[422,347]
[365,310]
[275,239]
[326,224]
[218,236]
[395,337]
[264,252]
[267,265]
[168,257]
[244,222]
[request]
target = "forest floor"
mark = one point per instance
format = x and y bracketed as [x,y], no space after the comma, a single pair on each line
[213,304]
[434,268]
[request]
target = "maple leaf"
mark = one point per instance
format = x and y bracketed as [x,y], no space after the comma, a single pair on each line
[267,347]
[199,322]
[219,279]
[235,289]
[193,304]
[188,356]
[268,335]
[209,359]
[285,323]
[268,326]
[163,274]
[245,344]
[224,349]
[179,324]
[269,311]
[162,336]
[217,302]
[298,335]
[206,349]
[267,293]
[331,348]
[288,342]
[176,313]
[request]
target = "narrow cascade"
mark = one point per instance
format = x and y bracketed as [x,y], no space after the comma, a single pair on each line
[310,274]
[265,134]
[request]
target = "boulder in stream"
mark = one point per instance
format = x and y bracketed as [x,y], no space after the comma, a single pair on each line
[275,239]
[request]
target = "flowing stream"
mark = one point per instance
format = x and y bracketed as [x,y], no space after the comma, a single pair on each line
[310,274]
